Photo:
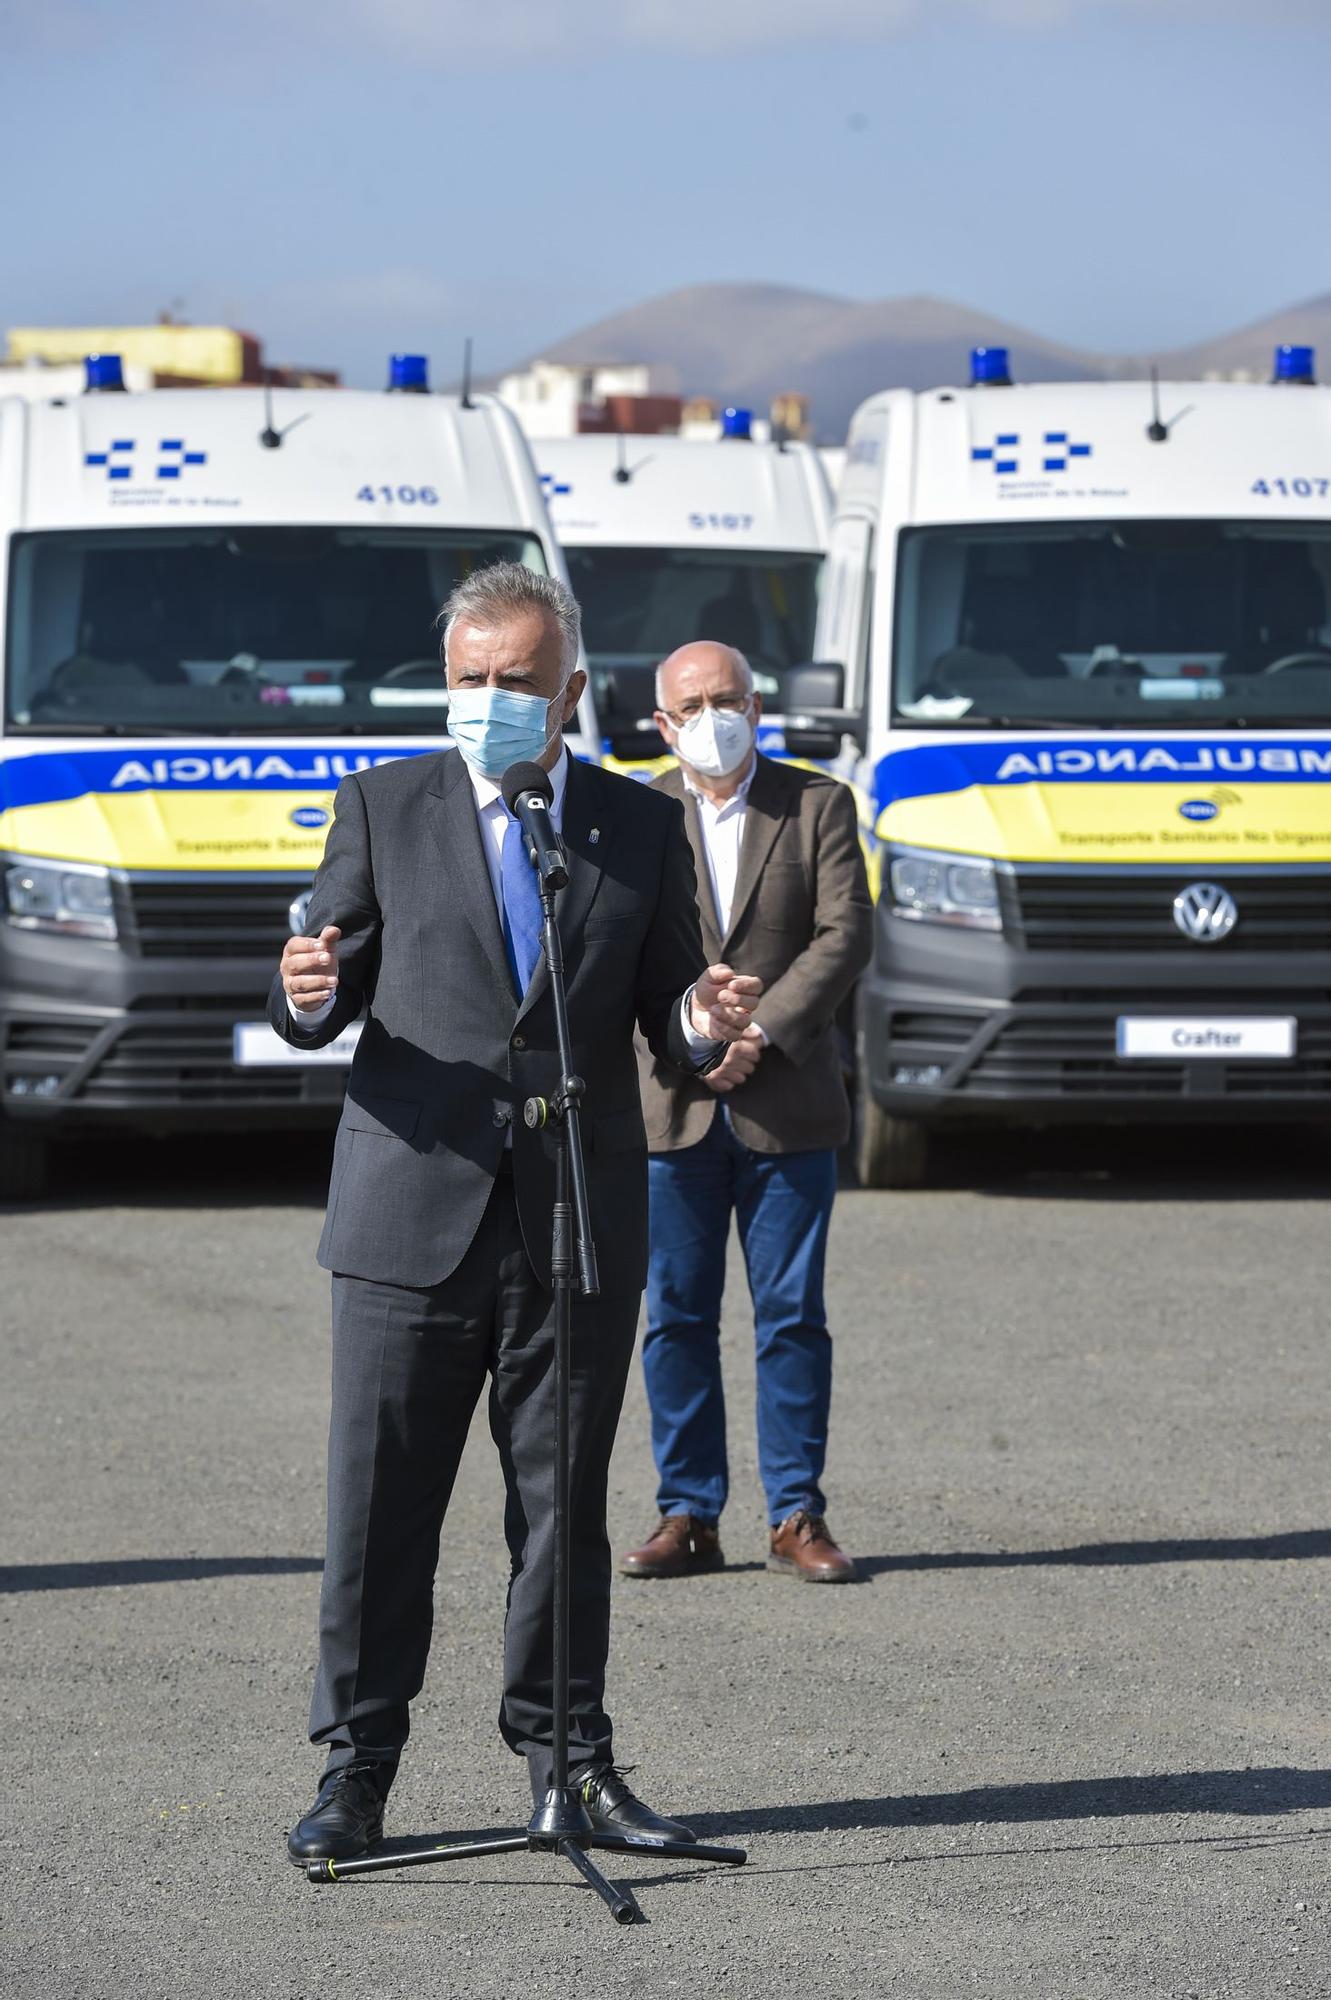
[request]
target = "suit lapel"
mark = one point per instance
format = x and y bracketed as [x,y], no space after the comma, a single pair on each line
[586,831]
[762,823]
[455,824]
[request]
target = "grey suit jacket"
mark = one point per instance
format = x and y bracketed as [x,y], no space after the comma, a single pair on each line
[801,918]
[448,1056]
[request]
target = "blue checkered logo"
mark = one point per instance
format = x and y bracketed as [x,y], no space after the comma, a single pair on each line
[1002,454]
[550,485]
[172,455]
[116,458]
[1058,449]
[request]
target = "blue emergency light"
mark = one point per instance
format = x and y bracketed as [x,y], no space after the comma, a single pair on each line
[989,368]
[102,372]
[1295,364]
[409,373]
[737,423]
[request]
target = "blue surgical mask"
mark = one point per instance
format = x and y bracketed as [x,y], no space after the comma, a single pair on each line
[495,727]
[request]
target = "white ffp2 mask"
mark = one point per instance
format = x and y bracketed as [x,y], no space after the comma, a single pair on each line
[716,742]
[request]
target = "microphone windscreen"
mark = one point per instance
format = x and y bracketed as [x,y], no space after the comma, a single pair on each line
[520,778]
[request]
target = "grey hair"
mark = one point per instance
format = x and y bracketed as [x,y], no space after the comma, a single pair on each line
[489,596]
[745,669]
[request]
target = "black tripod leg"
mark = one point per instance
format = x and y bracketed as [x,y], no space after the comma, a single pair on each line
[622,1906]
[415,1857]
[673,1850]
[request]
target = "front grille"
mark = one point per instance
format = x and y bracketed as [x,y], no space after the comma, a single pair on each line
[183,1062]
[1076,1056]
[207,916]
[1060,909]
[142,1063]
[1073,1055]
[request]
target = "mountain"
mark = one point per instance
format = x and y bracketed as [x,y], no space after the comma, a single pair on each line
[747,343]
[1250,347]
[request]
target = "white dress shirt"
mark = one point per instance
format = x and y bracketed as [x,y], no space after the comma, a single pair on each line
[722,825]
[495,820]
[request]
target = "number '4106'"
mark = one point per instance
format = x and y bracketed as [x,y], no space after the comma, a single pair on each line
[1298,489]
[410,496]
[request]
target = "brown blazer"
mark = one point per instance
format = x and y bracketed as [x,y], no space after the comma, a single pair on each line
[803,921]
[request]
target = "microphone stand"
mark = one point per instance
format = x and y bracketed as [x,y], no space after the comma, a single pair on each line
[560,1825]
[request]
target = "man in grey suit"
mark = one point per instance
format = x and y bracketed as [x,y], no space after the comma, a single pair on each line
[782,883]
[425,914]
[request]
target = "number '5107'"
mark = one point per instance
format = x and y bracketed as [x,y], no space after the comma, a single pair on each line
[1299,489]
[410,496]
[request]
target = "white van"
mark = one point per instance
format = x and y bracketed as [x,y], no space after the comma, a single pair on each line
[1086,639]
[670,539]
[215,603]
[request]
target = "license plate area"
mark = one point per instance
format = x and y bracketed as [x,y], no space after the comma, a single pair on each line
[1206,1037]
[254,1045]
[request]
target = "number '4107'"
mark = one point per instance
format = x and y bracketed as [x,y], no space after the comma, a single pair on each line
[410,496]
[1298,489]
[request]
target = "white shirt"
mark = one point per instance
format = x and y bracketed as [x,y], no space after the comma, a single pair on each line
[495,819]
[722,824]
[722,837]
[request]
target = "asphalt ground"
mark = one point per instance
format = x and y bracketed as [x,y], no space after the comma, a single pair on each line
[1068,1737]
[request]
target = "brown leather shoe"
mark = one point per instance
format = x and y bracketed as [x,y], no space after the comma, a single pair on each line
[677,1546]
[802,1546]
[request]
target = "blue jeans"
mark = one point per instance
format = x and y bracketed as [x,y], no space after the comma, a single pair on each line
[783,1205]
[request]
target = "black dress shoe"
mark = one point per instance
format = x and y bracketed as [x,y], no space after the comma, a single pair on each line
[346,1818]
[612,1808]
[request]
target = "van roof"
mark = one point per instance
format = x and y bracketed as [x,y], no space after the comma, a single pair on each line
[1043,451]
[683,492]
[171,457]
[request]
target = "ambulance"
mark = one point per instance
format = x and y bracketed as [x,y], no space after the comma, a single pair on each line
[669,539]
[1083,635]
[215,604]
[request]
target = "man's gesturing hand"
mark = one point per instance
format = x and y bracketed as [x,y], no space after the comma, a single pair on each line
[309,969]
[723,1003]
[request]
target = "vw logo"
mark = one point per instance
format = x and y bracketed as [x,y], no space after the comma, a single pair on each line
[298,912]
[1205,912]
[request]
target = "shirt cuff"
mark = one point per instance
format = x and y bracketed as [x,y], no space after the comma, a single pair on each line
[310,1017]
[699,1046]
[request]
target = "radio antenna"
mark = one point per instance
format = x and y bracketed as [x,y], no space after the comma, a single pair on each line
[622,474]
[467,403]
[1158,430]
[269,437]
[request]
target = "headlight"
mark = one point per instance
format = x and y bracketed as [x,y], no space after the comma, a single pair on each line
[945,891]
[42,896]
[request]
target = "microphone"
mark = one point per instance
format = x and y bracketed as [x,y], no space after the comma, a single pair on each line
[527,791]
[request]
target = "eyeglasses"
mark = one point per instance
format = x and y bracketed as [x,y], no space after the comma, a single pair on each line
[689,711]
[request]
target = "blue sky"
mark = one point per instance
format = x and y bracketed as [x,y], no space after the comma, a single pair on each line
[359,175]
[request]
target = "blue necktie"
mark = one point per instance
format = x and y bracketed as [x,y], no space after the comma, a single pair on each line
[522,907]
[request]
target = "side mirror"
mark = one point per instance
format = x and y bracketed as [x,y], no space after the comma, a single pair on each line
[633,742]
[814,684]
[812,717]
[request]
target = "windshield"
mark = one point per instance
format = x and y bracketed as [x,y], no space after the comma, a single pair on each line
[639,604]
[226,629]
[1115,623]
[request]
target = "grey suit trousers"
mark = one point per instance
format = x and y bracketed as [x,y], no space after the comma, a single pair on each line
[408,1369]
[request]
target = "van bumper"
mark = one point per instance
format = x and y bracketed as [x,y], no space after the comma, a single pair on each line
[954,1023]
[92,1036]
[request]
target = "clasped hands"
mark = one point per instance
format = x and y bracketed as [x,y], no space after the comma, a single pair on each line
[722,1009]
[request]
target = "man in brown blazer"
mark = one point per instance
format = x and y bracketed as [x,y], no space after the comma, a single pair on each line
[781,883]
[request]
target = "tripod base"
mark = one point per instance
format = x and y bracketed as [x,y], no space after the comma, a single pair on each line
[560,1826]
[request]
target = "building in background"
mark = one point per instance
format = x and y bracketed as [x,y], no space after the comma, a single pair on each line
[169,355]
[554,399]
